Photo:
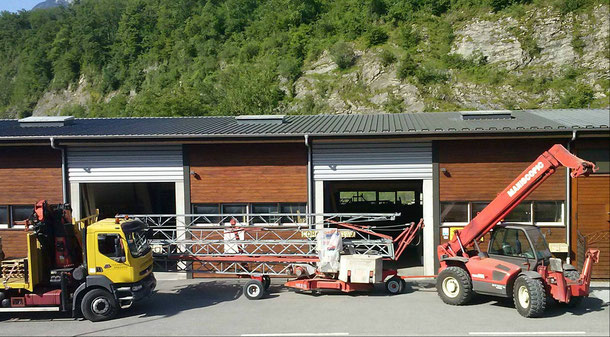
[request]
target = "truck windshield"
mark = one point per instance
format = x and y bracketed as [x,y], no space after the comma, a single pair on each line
[137,243]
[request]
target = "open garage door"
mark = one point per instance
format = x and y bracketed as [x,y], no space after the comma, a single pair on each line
[126,179]
[384,176]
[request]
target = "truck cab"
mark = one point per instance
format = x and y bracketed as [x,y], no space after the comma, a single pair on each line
[90,268]
[119,264]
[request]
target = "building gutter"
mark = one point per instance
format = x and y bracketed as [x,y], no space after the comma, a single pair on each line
[309,175]
[568,211]
[64,180]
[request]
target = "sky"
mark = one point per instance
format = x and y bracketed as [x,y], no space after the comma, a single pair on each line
[15,5]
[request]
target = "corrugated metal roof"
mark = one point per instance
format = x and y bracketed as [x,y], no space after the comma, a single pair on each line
[438,123]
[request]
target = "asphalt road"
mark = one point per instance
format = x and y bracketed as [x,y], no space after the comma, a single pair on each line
[217,307]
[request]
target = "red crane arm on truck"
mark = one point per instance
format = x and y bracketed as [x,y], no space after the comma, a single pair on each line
[540,170]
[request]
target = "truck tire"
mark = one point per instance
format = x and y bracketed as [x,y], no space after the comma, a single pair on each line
[573,275]
[254,290]
[454,286]
[98,305]
[529,296]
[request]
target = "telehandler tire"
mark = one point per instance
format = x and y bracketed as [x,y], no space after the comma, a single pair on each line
[573,275]
[98,305]
[454,286]
[529,296]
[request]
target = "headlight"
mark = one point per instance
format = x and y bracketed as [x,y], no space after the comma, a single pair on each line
[136,287]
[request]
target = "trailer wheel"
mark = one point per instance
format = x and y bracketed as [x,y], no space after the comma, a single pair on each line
[266,282]
[98,305]
[394,285]
[573,275]
[454,286]
[529,296]
[254,290]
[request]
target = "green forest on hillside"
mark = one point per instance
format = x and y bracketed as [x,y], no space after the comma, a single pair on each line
[189,57]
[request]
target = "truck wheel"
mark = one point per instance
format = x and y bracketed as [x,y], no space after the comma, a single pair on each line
[529,296]
[454,286]
[394,285]
[254,290]
[573,275]
[98,305]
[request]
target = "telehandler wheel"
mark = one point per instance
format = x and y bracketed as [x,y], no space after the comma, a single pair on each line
[573,275]
[98,305]
[394,285]
[529,296]
[454,286]
[254,290]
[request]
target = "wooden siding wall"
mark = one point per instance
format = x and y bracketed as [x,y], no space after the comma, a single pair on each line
[252,172]
[591,211]
[480,169]
[27,175]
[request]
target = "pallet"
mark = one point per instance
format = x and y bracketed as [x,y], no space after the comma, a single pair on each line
[13,271]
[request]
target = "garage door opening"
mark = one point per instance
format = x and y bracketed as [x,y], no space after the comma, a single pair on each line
[128,198]
[404,197]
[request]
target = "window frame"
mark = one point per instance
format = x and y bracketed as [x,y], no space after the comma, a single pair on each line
[250,210]
[561,223]
[11,224]
[6,225]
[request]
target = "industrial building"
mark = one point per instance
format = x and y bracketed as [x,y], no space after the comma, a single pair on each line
[443,167]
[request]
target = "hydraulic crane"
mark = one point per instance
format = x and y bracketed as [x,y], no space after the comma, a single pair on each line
[518,262]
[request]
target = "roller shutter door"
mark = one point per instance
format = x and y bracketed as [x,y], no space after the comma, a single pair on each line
[372,161]
[110,164]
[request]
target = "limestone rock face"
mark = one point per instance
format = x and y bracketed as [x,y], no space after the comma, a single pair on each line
[492,40]
[366,87]
[57,100]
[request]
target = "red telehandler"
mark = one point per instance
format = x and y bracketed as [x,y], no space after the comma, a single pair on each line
[518,262]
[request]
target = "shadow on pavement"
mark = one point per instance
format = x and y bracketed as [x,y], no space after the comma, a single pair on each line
[186,297]
[554,309]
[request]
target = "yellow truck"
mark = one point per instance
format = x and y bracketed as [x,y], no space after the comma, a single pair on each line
[91,270]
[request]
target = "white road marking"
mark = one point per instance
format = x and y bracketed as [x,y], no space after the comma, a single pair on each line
[527,333]
[298,334]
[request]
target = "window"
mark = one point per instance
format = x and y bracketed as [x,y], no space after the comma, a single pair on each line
[521,213]
[293,209]
[511,242]
[254,208]
[206,209]
[454,211]
[265,209]
[476,208]
[111,246]
[548,213]
[3,216]
[20,213]
[406,197]
[234,209]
